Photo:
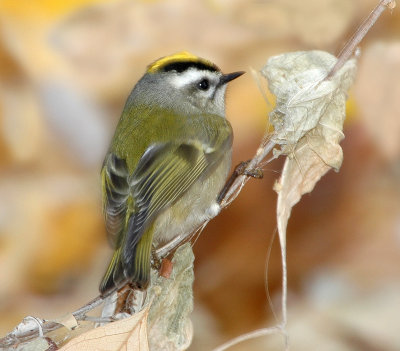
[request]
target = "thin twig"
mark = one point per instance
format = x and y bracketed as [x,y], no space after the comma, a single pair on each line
[284,297]
[262,152]
[31,328]
[362,30]
[97,301]
[251,335]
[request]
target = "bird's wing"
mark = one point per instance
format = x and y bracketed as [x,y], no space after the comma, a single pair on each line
[164,173]
[131,202]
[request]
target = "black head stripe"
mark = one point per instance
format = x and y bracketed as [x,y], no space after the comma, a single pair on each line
[185,65]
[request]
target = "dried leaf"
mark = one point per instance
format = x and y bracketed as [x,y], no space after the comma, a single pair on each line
[298,177]
[169,325]
[308,122]
[128,334]
[37,344]
[68,321]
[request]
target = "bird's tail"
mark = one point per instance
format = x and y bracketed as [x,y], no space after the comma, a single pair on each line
[133,266]
[109,280]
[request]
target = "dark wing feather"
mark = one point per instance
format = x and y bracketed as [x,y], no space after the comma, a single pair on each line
[115,195]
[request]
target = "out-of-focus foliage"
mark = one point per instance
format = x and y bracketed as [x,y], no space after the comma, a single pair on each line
[66,68]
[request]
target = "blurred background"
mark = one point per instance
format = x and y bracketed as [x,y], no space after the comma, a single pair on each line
[66,68]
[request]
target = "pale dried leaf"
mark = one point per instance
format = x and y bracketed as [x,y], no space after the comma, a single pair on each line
[37,344]
[129,334]
[297,179]
[169,325]
[308,122]
[68,321]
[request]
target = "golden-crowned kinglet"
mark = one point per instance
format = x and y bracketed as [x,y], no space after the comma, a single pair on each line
[167,162]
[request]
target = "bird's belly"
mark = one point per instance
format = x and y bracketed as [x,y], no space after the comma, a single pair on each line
[194,207]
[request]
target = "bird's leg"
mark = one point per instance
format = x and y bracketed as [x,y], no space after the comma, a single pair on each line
[256,173]
[240,169]
[155,260]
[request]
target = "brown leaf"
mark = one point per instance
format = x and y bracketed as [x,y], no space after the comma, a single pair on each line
[129,334]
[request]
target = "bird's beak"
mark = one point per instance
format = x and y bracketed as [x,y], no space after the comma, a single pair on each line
[225,78]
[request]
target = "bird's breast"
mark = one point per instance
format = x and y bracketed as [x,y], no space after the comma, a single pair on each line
[194,207]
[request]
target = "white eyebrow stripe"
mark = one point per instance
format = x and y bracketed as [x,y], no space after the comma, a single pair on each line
[190,76]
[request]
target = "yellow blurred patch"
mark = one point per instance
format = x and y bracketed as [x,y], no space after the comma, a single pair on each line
[71,235]
[351,109]
[43,8]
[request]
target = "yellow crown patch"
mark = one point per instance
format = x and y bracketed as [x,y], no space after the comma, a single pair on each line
[179,57]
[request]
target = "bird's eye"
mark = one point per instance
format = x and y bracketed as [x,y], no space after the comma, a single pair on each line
[204,84]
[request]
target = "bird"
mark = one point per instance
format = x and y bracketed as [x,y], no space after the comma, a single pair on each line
[167,162]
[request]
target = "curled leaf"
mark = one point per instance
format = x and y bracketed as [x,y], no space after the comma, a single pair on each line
[68,321]
[308,122]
